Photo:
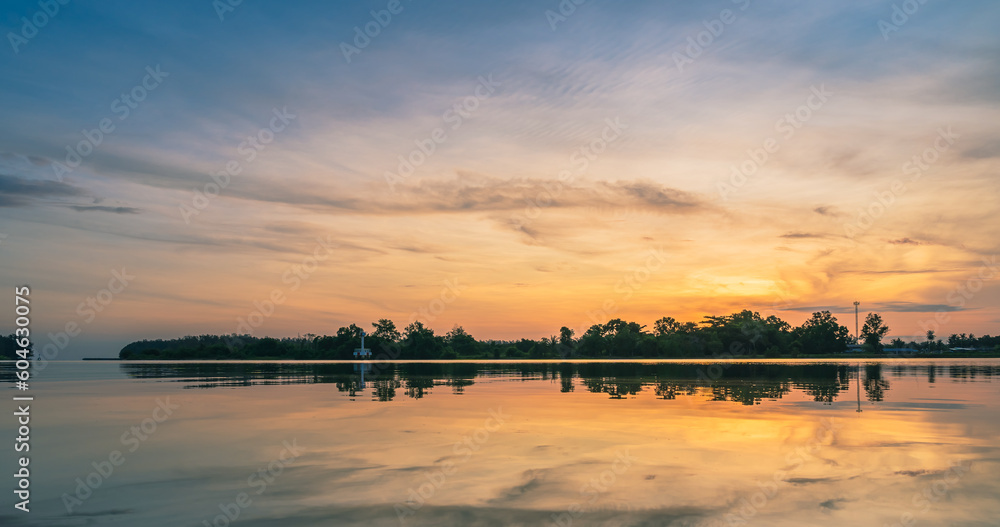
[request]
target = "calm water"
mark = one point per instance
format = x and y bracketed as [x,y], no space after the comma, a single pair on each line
[679,443]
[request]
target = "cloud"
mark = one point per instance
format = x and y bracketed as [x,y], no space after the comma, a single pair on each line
[654,196]
[913,473]
[464,193]
[896,271]
[816,309]
[419,249]
[809,481]
[351,515]
[18,192]
[983,151]
[913,307]
[802,235]
[32,186]
[102,208]
[532,480]
[826,211]
[833,504]
[484,193]
[905,241]
[890,307]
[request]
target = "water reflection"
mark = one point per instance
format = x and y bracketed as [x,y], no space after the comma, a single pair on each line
[564,443]
[744,383]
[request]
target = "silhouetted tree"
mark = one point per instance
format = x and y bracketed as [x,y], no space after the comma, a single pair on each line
[822,334]
[385,329]
[9,347]
[461,342]
[666,326]
[873,332]
[421,342]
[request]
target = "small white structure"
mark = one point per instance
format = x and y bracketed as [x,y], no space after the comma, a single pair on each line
[362,352]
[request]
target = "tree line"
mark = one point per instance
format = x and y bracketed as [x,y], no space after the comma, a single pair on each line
[742,334]
[9,347]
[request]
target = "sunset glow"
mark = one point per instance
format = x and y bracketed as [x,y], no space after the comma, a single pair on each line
[491,167]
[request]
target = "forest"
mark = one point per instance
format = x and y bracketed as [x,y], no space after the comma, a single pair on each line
[743,334]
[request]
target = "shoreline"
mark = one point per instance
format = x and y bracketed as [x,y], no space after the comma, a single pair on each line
[749,358]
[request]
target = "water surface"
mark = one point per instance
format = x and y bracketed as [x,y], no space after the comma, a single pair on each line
[584,443]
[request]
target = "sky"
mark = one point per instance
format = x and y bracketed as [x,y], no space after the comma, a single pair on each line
[510,167]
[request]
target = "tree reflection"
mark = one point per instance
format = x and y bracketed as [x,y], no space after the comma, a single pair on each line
[670,391]
[749,393]
[825,382]
[566,373]
[875,385]
[742,383]
[385,389]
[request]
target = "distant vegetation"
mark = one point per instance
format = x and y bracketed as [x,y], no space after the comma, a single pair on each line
[9,347]
[743,334]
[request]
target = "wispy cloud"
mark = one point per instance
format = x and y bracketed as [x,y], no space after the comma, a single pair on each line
[485,193]
[103,208]
[802,235]
[826,211]
[914,307]
[19,192]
